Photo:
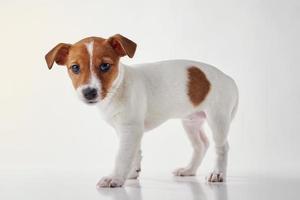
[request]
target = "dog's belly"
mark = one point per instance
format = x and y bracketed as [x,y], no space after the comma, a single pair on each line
[157,117]
[150,124]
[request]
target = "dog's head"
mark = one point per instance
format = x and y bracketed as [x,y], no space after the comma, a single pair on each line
[92,63]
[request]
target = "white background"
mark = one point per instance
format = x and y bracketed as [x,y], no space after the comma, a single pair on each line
[44,126]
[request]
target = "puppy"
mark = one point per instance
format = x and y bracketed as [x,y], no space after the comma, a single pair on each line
[136,99]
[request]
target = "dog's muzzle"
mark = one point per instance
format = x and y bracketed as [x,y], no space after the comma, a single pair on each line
[90,94]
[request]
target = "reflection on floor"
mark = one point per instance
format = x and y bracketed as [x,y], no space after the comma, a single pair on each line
[37,185]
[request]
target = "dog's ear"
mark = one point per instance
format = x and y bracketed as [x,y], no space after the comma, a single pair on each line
[122,45]
[58,54]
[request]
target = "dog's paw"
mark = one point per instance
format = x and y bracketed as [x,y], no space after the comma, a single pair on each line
[110,181]
[215,177]
[184,172]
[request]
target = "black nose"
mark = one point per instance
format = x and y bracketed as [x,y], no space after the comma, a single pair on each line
[89,93]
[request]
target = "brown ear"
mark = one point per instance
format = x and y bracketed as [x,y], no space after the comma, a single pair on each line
[122,45]
[58,54]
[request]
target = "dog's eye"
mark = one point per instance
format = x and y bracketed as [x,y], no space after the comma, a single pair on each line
[75,69]
[104,67]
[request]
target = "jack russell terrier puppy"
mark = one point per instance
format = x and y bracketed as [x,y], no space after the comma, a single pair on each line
[136,99]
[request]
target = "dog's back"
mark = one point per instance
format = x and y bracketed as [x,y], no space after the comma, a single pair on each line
[167,88]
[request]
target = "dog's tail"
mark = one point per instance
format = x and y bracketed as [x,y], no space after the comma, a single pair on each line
[235,107]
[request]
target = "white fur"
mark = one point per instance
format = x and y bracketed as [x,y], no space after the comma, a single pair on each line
[146,95]
[94,81]
[90,49]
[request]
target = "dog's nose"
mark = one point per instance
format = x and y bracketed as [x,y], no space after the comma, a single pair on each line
[89,93]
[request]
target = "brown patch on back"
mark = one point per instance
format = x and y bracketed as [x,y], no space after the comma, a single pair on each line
[198,85]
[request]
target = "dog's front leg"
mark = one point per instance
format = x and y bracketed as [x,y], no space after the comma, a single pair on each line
[129,141]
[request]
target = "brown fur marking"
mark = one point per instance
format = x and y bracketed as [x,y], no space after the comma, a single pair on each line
[198,85]
[104,51]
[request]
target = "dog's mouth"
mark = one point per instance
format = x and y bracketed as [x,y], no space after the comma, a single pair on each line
[91,102]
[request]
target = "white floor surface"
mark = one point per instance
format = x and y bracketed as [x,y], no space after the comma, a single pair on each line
[63,185]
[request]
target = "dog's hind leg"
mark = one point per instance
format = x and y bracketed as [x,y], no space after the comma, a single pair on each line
[193,127]
[219,124]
